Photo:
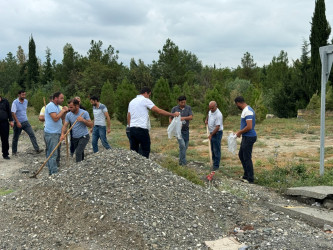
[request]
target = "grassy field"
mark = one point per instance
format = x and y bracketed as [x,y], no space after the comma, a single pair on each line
[286,153]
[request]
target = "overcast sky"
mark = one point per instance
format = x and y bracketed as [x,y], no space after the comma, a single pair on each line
[217,31]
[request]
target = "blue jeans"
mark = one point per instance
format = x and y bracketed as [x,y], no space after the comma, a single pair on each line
[17,132]
[51,141]
[245,156]
[183,145]
[215,145]
[99,132]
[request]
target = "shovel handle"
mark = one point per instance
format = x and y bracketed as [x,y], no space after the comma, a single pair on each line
[210,149]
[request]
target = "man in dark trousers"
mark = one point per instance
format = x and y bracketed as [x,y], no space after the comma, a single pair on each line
[186,115]
[249,137]
[6,119]
[139,123]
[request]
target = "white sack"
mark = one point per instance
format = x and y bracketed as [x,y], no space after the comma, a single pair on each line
[232,143]
[175,128]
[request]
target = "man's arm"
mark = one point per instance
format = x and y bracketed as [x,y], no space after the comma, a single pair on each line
[18,124]
[216,129]
[163,112]
[41,118]
[247,128]
[61,115]
[128,118]
[86,122]
[108,122]
[187,118]
[63,130]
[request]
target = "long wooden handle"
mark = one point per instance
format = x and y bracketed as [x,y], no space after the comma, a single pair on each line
[48,158]
[210,149]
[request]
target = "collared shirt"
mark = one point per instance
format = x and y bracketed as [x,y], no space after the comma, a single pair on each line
[51,126]
[79,129]
[99,116]
[186,111]
[138,108]
[20,109]
[248,114]
[214,119]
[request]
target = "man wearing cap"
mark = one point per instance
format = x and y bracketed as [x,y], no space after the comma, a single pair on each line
[5,120]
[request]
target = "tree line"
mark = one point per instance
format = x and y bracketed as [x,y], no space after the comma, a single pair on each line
[281,87]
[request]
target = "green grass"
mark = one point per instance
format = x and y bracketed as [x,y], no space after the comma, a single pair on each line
[185,172]
[5,191]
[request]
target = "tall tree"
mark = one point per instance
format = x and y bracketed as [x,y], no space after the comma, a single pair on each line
[320,32]
[32,66]
[9,72]
[20,56]
[47,68]
[162,99]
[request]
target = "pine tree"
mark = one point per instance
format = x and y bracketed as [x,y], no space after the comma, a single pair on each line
[32,66]
[47,68]
[162,98]
[108,98]
[320,31]
[124,94]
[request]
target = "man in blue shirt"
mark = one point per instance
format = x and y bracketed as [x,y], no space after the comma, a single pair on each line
[19,113]
[249,137]
[52,130]
[80,133]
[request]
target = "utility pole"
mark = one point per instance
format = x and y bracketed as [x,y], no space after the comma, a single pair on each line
[326,56]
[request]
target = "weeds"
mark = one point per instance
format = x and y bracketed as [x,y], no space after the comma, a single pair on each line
[5,192]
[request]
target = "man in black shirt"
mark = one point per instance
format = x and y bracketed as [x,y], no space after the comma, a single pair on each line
[6,119]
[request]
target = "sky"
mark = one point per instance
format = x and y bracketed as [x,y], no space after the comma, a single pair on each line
[218,32]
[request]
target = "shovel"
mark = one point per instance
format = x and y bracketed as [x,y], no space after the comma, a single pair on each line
[48,158]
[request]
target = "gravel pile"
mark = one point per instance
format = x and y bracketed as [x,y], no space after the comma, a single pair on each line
[117,199]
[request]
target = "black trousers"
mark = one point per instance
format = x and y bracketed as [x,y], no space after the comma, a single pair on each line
[245,156]
[139,138]
[79,146]
[4,134]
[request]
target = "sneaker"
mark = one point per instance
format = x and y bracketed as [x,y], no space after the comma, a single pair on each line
[6,157]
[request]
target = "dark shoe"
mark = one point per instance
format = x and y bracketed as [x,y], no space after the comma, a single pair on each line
[6,157]
[39,151]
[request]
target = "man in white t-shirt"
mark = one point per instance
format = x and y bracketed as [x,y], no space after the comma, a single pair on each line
[215,127]
[139,123]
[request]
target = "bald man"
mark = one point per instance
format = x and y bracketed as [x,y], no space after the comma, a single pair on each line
[215,127]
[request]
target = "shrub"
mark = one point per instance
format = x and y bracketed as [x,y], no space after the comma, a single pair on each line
[108,98]
[162,99]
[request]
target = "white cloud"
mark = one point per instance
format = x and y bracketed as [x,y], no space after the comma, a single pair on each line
[217,31]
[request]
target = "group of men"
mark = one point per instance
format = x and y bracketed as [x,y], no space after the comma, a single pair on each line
[139,125]
[58,119]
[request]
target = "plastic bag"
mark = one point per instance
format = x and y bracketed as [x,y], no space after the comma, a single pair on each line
[232,143]
[175,128]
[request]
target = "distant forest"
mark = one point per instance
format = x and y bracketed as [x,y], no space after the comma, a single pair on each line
[281,87]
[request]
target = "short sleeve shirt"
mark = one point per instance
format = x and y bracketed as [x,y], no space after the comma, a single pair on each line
[186,111]
[51,126]
[20,109]
[248,114]
[214,119]
[99,116]
[138,109]
[79,129]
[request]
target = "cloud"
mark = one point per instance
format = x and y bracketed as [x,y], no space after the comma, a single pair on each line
[217,31]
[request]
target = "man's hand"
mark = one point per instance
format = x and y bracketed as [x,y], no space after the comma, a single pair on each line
[65,108]
[176,114]
[238,134]
[80,119]
[210,137]
[62,137]
[108,130]
[18,124]
[11,124]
